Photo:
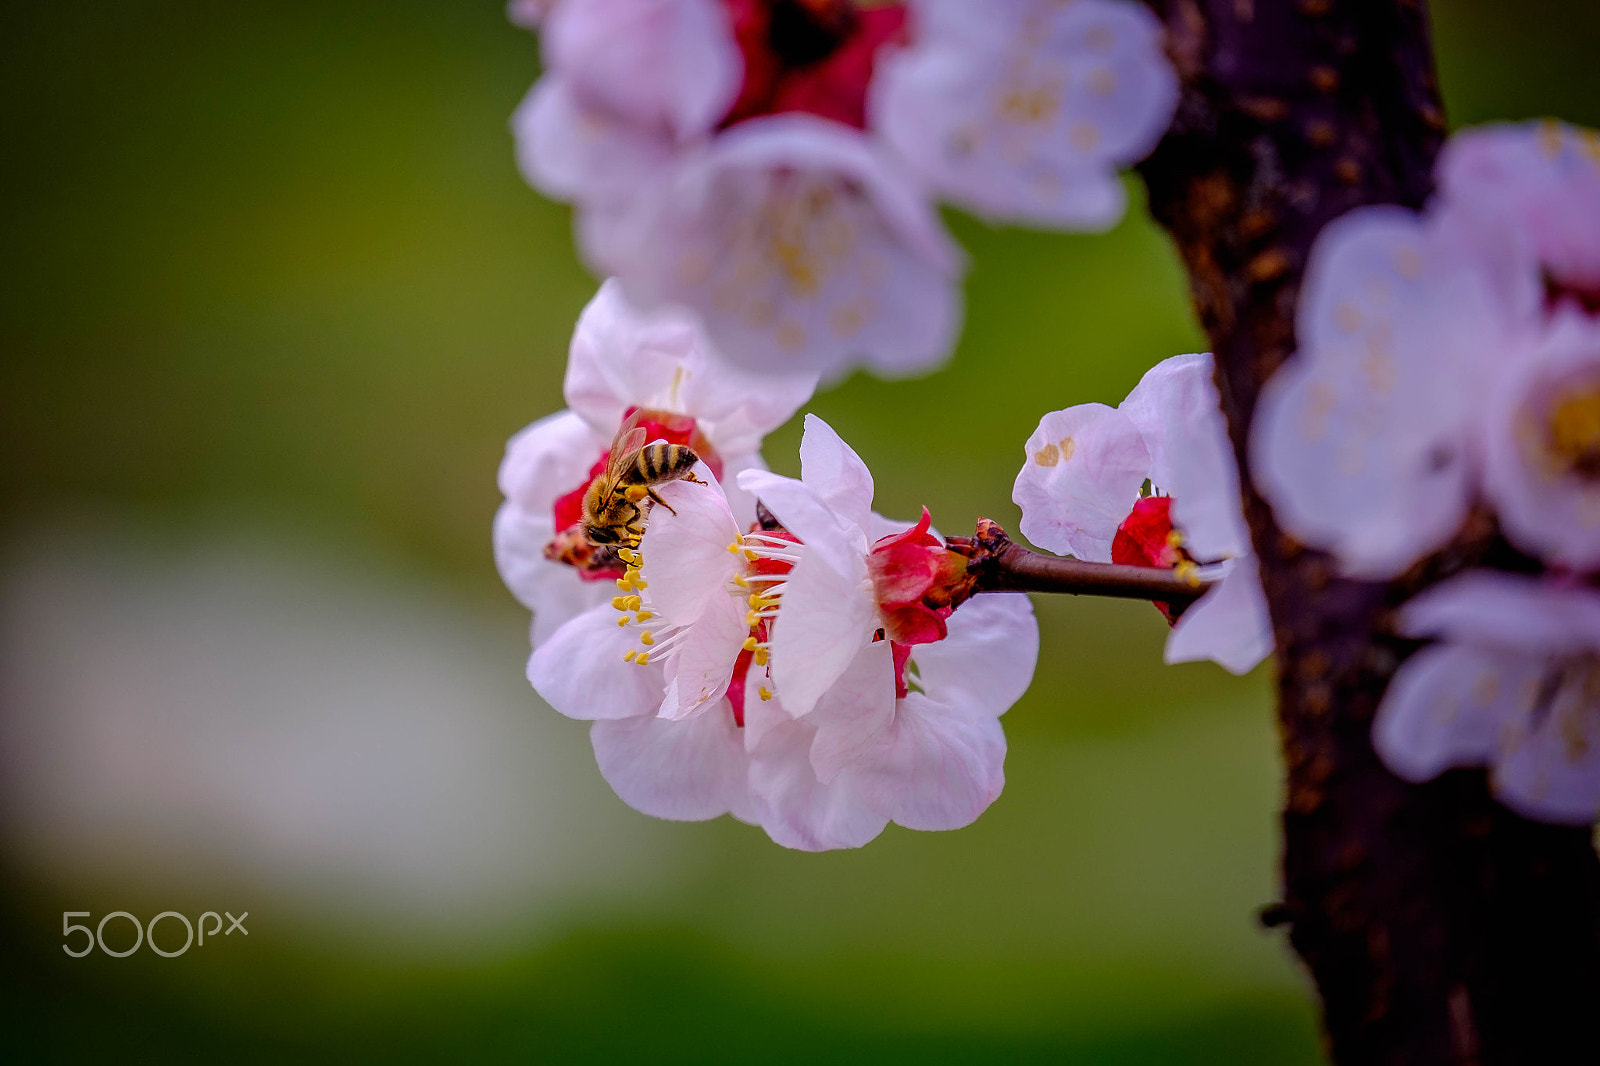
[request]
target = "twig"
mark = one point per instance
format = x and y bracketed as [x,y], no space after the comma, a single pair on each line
[997,564]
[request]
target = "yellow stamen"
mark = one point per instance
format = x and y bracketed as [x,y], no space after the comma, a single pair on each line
[763,693]
[749,643]
[619,603]
[735,548]
[1188,571]
[760,657]
[633,604]
[643,659]
[628,658]
[1174,539]
[644,616]
[647,638]
[627,555]
[1575,427]
[752,556]
[738,579]
[622,621]
[751,618]
[624,583]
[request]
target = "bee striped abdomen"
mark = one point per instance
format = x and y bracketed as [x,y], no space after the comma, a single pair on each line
[661,461]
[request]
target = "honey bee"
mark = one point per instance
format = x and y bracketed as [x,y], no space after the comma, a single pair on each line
[613,507]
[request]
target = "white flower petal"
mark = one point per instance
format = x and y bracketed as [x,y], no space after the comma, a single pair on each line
[833,470]
[803,250]
[700,669]
[659,64]
[1532,188]
[1023,109]
[796,809]
[544,461]
[805,514]
[1362,441]
[553,591]
[684,771]
[1228,625]
[1177,409]
[1082,476]
[1447,707]
[519,539]
[740,502]
[987,661]
[580,672]
[528,14]
[1511,612]
[853,714]
[547,459]
[1552,773]
[826,619]
[571,152]
[939,767]
[623,357]
[1344,473]
[685,555]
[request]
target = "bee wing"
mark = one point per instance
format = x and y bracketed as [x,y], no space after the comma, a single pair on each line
[628,424]
[624,450]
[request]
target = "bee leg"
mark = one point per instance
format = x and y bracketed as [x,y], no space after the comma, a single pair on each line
[652,494]
[690,477]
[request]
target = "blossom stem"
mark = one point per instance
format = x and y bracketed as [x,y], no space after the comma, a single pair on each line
[997,564]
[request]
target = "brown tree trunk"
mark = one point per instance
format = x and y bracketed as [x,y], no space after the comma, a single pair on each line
[1439,927]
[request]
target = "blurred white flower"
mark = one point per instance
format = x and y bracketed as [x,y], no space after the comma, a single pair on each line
[1363,441]
[621,361]
[1513,684]
[1445,355]
[722,154]
[1023,110]
[1079,492]
[803,247]
[1541,462]
[528,14]
[1533,192]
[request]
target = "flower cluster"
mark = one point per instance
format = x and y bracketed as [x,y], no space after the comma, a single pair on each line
[1153,482]
[773,164]
[621,363]
[811,673]
[1450,359]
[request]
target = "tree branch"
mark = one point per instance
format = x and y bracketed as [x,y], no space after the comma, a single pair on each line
[997,564]
[1439,927]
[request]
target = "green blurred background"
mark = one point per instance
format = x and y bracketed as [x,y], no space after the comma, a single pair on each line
[275,297]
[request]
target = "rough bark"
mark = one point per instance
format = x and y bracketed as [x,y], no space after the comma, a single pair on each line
[1439,928]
